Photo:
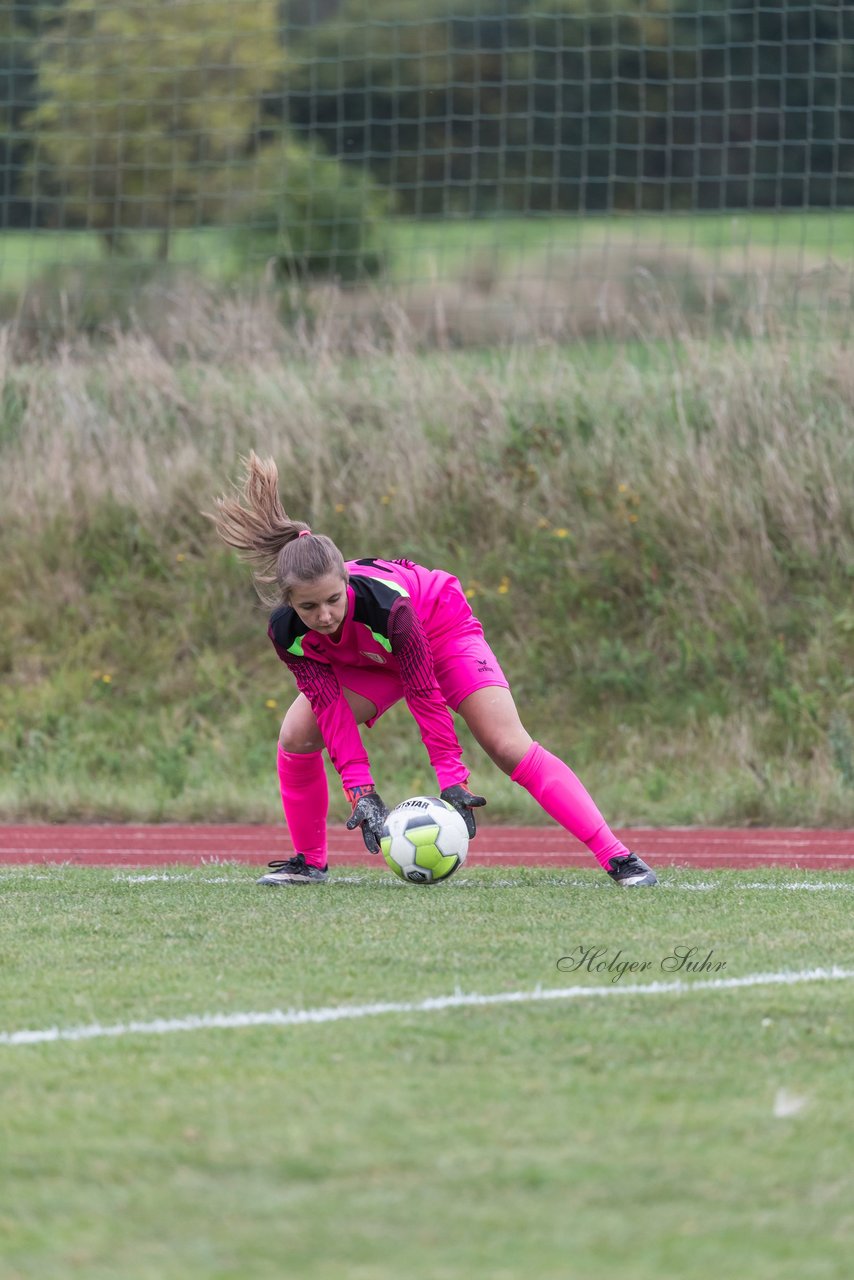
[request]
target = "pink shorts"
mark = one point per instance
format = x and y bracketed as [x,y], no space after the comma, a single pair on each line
[462,660]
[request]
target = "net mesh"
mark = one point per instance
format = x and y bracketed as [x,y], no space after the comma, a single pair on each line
[476,169]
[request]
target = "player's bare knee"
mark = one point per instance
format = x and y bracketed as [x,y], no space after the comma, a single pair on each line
[299,741]
[505,753]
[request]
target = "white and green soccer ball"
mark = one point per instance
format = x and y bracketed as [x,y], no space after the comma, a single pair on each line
[424,840]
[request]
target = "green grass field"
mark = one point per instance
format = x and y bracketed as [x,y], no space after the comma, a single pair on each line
[439,249]
[691,1134]
[426,250]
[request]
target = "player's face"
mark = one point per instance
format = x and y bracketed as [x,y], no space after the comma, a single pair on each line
[321,604]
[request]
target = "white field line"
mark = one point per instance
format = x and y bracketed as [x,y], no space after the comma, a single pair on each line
[788,886]
[342,1013]
[391,882]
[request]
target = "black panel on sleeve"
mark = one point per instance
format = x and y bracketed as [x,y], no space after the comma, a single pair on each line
[374,600]
[285,629]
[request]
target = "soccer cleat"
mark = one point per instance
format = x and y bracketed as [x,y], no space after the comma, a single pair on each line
[630,871]
[293,870]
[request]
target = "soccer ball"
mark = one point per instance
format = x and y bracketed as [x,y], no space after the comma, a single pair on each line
[424,840]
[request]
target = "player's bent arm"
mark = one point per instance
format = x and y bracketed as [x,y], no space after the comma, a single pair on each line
[411,647]
[339,731]
[335,719]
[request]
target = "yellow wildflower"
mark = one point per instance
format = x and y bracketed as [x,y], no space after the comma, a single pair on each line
[271,703]
[561,533]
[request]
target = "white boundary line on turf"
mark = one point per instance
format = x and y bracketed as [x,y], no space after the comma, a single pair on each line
[342,1013]
[703,886]
[390,882]
[788,886]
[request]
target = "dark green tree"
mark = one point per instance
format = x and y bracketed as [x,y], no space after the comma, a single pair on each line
[584,104]
[145,110]
[20,26]
[765,111]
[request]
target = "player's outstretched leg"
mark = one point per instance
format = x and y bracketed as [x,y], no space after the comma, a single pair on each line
[565,798]
[492,716]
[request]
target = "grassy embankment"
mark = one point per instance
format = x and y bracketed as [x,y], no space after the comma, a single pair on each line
[658,540]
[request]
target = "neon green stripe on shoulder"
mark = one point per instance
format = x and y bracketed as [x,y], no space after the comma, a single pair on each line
[386,582]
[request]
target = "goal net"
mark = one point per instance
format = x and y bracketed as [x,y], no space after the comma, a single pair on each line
[470,171]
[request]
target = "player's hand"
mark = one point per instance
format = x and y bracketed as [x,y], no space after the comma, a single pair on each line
[370,814]
[463,801]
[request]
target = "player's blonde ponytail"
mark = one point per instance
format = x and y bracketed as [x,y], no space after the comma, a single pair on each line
[281,551]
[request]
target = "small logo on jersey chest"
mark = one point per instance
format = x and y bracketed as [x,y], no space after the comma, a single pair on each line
[375,657]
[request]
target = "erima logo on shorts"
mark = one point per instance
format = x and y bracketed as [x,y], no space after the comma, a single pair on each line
[377,657]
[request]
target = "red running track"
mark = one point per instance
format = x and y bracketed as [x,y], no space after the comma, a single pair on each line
[147,846]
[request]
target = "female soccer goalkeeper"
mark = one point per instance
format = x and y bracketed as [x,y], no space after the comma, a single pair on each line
[357,637]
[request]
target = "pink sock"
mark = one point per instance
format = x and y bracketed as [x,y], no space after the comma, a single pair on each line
[305,800]
[563,796]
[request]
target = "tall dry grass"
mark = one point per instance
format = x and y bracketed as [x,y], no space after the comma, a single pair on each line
[617,290]
[738,456]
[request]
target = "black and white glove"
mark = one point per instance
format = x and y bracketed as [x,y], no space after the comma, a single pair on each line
[463,801]
[369,813]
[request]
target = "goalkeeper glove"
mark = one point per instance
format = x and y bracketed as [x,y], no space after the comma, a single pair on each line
[463,801]
[369,813]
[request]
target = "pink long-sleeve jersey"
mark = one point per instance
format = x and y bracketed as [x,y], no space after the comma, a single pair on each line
[398,614]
